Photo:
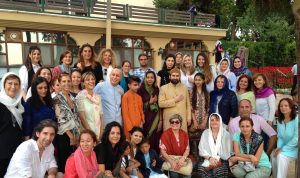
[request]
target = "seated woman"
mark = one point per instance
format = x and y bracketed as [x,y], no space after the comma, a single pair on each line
[215,147]
[109,151]
[253,162]
[83,162]
[287,143]
[174,142]
[136,136]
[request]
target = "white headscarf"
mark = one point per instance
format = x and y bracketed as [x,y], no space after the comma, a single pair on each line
[215,147]
[13,104]
[227,71]
[221,149]
[217,43]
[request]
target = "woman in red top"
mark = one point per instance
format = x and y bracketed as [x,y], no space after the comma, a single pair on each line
[168,146]
[83,162]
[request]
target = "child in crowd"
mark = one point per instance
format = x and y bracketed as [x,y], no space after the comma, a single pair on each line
[150,161]
[129,165]
[55,87]
[132,106]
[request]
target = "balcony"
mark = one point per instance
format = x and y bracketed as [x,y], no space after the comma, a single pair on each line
[119,12]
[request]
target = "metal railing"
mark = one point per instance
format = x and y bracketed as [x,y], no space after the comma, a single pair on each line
[98,9]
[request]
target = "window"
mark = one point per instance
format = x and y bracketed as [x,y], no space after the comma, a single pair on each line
[192,47]
[14,46]
[126,48]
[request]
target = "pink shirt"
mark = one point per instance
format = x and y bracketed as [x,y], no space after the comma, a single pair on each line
[260,125]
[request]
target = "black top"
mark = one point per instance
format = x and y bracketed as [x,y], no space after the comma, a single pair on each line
[30,77]
[10,133]
[107,155]
[97,71]
[165,77]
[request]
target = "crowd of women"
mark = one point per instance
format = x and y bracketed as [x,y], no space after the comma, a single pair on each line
[86,146]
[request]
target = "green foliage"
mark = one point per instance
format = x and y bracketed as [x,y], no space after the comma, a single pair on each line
[166,4]
[264,53]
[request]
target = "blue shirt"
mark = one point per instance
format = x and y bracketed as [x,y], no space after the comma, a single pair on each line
[264,159]
[141,73]
[32,117]
[148,164]
[111,101]
[288,138]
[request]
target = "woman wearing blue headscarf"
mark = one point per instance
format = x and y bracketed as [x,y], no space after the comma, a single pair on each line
[223,100]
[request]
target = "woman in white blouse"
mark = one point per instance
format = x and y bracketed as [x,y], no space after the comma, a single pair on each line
[27,71]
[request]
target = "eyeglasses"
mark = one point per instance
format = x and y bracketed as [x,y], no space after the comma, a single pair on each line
[105,71]
[174,122]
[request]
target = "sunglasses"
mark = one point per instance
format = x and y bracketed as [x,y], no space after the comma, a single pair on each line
[174,122]
[105,71]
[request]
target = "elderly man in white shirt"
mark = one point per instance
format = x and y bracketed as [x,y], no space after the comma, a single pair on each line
[34,157]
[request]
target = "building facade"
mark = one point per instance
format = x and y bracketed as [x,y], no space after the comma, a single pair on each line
[129,29]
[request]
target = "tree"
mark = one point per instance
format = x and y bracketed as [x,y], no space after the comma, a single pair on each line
[167,4]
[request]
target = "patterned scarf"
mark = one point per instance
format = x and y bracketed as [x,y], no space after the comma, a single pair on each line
[200,107]
[255,141]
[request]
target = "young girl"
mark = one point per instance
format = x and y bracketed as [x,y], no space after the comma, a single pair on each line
[129,165]
[150,161]
[199,98]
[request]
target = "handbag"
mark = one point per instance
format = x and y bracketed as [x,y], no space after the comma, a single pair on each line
[186,169]
[247,166]
[211,167]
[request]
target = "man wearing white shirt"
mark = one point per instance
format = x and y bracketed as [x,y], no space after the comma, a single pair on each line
[294,86]
[34,157]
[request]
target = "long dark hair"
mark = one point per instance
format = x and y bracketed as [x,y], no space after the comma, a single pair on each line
[167,56]
[105,139]
[28,62]
[35,99]
[194,93]
[292,105]
[92,60]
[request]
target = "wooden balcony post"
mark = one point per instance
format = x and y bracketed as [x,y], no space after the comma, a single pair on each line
[108,25]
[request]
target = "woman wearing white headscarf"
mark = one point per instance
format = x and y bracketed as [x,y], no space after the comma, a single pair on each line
[11,118]
[223,68]
[214,147]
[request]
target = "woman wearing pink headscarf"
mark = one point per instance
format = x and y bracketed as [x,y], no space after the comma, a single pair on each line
[83,162]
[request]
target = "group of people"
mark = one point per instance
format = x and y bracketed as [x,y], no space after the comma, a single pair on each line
[92,119]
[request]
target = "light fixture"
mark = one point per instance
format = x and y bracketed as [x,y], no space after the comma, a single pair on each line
[160,51]
[172,44]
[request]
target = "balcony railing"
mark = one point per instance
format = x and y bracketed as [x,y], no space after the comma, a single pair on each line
[94,8]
